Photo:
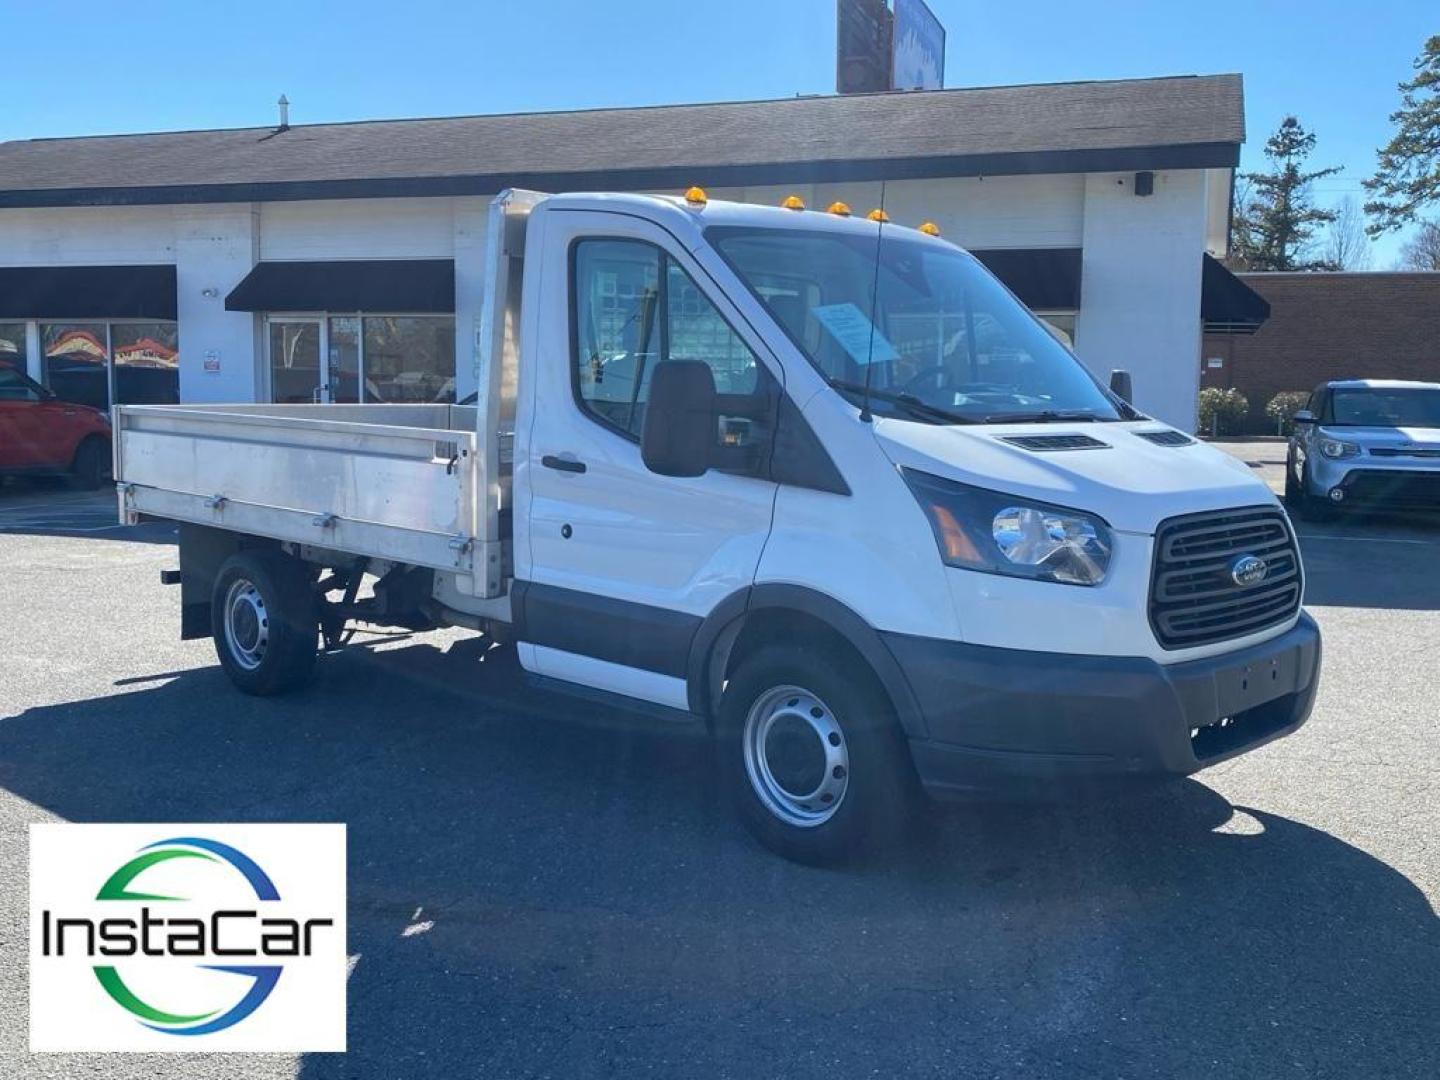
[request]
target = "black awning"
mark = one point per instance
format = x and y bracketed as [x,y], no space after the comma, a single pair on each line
[87,292]
[347,285]
[1227,304]
[1045,279]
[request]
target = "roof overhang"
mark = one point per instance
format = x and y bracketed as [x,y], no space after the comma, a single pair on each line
[398,285]
[1119,159]
[87,292]
[1045,279]
[1227,304]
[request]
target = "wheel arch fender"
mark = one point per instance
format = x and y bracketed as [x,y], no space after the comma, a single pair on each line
[750,610]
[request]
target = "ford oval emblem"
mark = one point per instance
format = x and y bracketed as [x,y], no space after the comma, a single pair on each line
[1248,570]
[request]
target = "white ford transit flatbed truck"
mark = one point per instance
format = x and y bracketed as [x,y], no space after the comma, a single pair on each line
[820,482]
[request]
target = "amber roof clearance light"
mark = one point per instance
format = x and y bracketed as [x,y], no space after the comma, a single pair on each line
[929,228]
[793,202]
[696,196]
[839,209]
[878,215]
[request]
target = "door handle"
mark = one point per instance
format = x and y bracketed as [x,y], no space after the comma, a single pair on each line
[550,461]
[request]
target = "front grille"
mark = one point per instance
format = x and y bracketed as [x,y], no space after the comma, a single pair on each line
[1166,437]
[1194,600]
[1055,442]
[1395,487]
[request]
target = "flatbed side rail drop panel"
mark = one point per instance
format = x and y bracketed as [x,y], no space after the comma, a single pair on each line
[393,482]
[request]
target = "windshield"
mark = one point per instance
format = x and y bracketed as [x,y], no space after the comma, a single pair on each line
[943,339]
[1374,407]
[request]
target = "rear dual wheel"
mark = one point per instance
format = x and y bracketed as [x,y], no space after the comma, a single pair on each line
[265,620]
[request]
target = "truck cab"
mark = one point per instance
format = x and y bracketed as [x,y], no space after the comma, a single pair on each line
[818,482]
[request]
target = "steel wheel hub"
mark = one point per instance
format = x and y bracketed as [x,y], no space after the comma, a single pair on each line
[796,756]
[247,624]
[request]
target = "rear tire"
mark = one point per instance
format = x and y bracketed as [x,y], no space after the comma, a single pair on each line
[91,464]
[265,620]
[813,755]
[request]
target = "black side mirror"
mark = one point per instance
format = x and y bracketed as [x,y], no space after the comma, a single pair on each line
[1304,416]
[1120,386]
[679,434]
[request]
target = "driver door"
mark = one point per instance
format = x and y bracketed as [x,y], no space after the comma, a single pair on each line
[622,564]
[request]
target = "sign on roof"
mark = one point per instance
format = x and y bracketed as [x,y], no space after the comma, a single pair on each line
[918,48]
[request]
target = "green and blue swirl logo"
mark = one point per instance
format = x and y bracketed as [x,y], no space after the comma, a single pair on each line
[262,978]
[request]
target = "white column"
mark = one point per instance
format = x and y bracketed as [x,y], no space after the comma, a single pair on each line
[1140,288]
[215,247]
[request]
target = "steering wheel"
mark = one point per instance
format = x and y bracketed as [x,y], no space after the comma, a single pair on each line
[929,372]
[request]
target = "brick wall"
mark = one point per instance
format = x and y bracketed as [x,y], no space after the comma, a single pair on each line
[1330,326]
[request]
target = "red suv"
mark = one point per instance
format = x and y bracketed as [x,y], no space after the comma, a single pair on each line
[42,435]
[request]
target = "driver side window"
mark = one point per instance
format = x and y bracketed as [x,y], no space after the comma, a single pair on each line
[633,307]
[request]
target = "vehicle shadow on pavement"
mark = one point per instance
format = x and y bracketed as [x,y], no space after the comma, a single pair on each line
[1372,562]
[536,895]
[50,507]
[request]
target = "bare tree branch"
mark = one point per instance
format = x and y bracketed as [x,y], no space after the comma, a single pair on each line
[1423,250]
[1347,247]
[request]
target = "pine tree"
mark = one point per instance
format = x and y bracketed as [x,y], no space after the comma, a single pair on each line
[1276,220]
[1407,177]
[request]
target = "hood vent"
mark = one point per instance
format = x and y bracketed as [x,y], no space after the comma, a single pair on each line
[1044,443]
[1166,437]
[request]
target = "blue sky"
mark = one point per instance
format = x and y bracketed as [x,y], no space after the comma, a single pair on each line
[81,68]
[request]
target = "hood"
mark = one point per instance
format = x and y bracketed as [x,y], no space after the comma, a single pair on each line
[1132,483]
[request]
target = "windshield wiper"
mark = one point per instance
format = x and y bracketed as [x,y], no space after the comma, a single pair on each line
[909,402]
[1047,416]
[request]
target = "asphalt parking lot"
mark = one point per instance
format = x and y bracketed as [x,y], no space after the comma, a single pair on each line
[542,888]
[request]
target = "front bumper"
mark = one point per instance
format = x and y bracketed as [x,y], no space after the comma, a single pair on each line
[1402,486]
[1007,719]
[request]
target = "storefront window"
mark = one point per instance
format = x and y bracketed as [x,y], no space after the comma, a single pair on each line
[368,359]
[409,359]
[345,359]
[12,346]
[75,360]
[147,363]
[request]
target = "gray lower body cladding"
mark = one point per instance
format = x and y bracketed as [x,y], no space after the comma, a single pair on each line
[1002,718]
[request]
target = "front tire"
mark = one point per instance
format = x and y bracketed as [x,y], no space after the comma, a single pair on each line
[264,618]
[813,755]
[1299,500]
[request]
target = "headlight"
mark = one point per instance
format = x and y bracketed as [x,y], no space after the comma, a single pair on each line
[1000,534]
[1336,448]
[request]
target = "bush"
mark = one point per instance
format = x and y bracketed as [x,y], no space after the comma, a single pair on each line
[1221,411]
[1283,406]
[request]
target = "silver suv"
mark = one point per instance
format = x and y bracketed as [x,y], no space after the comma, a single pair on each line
[1370,442]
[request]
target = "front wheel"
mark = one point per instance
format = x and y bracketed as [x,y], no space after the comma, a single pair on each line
[265,621]
[813,755]
[1298,498]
